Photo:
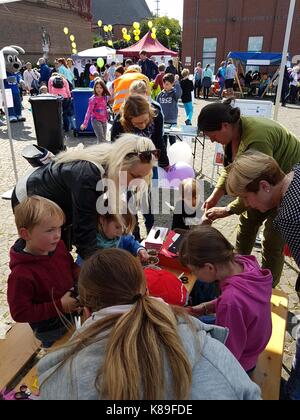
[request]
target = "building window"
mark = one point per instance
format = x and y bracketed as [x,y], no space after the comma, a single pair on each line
[209,52]
[255,43]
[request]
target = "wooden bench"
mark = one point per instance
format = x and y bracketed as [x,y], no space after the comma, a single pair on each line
[16,351]
[268,372]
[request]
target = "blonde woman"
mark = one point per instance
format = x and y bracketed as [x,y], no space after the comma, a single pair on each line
[72,179]
[135,347]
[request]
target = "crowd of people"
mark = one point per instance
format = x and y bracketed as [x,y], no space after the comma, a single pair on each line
[133,345]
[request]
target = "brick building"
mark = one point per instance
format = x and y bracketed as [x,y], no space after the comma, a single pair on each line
[119,13]
[37,26]
[213,28]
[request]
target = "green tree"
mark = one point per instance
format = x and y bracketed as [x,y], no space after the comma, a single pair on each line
[174,41]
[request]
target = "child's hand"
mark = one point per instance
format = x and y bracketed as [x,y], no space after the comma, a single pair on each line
[143,255]
[199,310]
[82,127]
[69,304]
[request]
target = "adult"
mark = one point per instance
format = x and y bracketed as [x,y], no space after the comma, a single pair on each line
[294,83]
[171,68]
[137,347]
[149,68]
[123,83]
[221,75]
[230,77]
[66,72]
[223,124]
[285,86]
[198,80]
[71,180]
[45,72]
[207,81]
[74,70]
[112,72]
[31,79]
[140,117]
[264,186]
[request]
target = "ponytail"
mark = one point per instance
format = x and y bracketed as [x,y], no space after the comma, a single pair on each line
[214,115]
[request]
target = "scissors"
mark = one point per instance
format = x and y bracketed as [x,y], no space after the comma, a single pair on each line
[23,394]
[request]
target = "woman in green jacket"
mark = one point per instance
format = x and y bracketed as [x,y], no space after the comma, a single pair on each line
[223,123]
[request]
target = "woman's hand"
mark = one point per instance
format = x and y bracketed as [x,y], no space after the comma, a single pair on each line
[82,127]
[213,200]
[143,255]
[216,213]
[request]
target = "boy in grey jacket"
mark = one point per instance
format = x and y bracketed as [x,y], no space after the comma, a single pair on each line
[168,99]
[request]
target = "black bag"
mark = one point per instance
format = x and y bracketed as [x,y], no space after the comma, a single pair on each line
[58,82]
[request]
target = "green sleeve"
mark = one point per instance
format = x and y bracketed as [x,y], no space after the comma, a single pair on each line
[237,206]
[262,146]
[221,184]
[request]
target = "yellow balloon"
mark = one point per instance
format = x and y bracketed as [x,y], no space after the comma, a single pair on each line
[74,45]
[66,31]
[138,32]
[136,25]
[110,28]
[153,35]
[110,43]
[150,24]
[72,38]
[124,30]
[154,30]
[74,51]
[100,23]
[136,38]
[128,37]
[168,32]
[106,28]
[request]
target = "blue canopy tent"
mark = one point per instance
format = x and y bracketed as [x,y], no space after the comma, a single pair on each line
[256,59]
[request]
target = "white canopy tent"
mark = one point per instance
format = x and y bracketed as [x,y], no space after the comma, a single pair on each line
[103,52]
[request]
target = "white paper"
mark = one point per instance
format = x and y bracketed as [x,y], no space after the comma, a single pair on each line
[9,98]
[3,74]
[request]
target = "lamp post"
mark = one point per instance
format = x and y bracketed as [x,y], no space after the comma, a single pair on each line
[284,56]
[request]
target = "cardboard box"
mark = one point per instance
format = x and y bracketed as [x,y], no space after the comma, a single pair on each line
[167,258]
[156,238]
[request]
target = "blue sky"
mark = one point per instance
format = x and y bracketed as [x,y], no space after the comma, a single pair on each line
[171,8]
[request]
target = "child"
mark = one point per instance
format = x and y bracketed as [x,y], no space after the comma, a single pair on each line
[43,90]
[244,305]
[185,213]
[92,82]
[187,87]
[97,111]
[159,78]
[42,271]
[168,99]
[114,233]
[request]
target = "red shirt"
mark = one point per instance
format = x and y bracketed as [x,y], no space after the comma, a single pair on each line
[159,81]
[37,283]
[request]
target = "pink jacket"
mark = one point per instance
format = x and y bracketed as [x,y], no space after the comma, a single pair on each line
[244,307]
[65,91]
[97,109]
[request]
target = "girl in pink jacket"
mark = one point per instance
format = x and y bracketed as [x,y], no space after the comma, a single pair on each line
[244,304]
[97,111]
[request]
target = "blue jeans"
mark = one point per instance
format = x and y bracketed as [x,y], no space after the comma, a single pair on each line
[293,385]
[189,110]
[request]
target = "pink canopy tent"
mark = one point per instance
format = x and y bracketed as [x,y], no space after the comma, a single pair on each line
[150,45]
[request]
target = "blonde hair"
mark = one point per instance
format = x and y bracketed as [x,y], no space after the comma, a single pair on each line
[136,342]
[127,221]
[135,67]
[248,170]
[190,189]
[34,210]
[113,156]
[185,73]
[139,87]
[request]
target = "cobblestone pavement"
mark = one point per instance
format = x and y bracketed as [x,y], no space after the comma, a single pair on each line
[24,134]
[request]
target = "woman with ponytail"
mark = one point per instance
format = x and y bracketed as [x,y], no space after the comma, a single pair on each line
[135,347]
[223,123]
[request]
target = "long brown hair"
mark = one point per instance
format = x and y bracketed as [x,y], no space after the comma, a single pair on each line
[99,81]
[205,245]
[137,340]
[135,106]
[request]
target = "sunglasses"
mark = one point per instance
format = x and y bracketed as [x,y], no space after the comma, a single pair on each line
[145,157]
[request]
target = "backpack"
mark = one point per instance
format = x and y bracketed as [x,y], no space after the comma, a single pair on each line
[58,82]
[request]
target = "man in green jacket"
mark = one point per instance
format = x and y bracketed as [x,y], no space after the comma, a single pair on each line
[223,124]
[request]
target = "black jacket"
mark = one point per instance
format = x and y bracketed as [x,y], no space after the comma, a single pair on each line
[73,187]
[149,68]
[187,87]
[155,132]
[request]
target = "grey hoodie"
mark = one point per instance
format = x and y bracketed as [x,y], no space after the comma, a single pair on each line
[169,103]
[216,375]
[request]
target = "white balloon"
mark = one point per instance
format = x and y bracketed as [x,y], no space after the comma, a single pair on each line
[180,152]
